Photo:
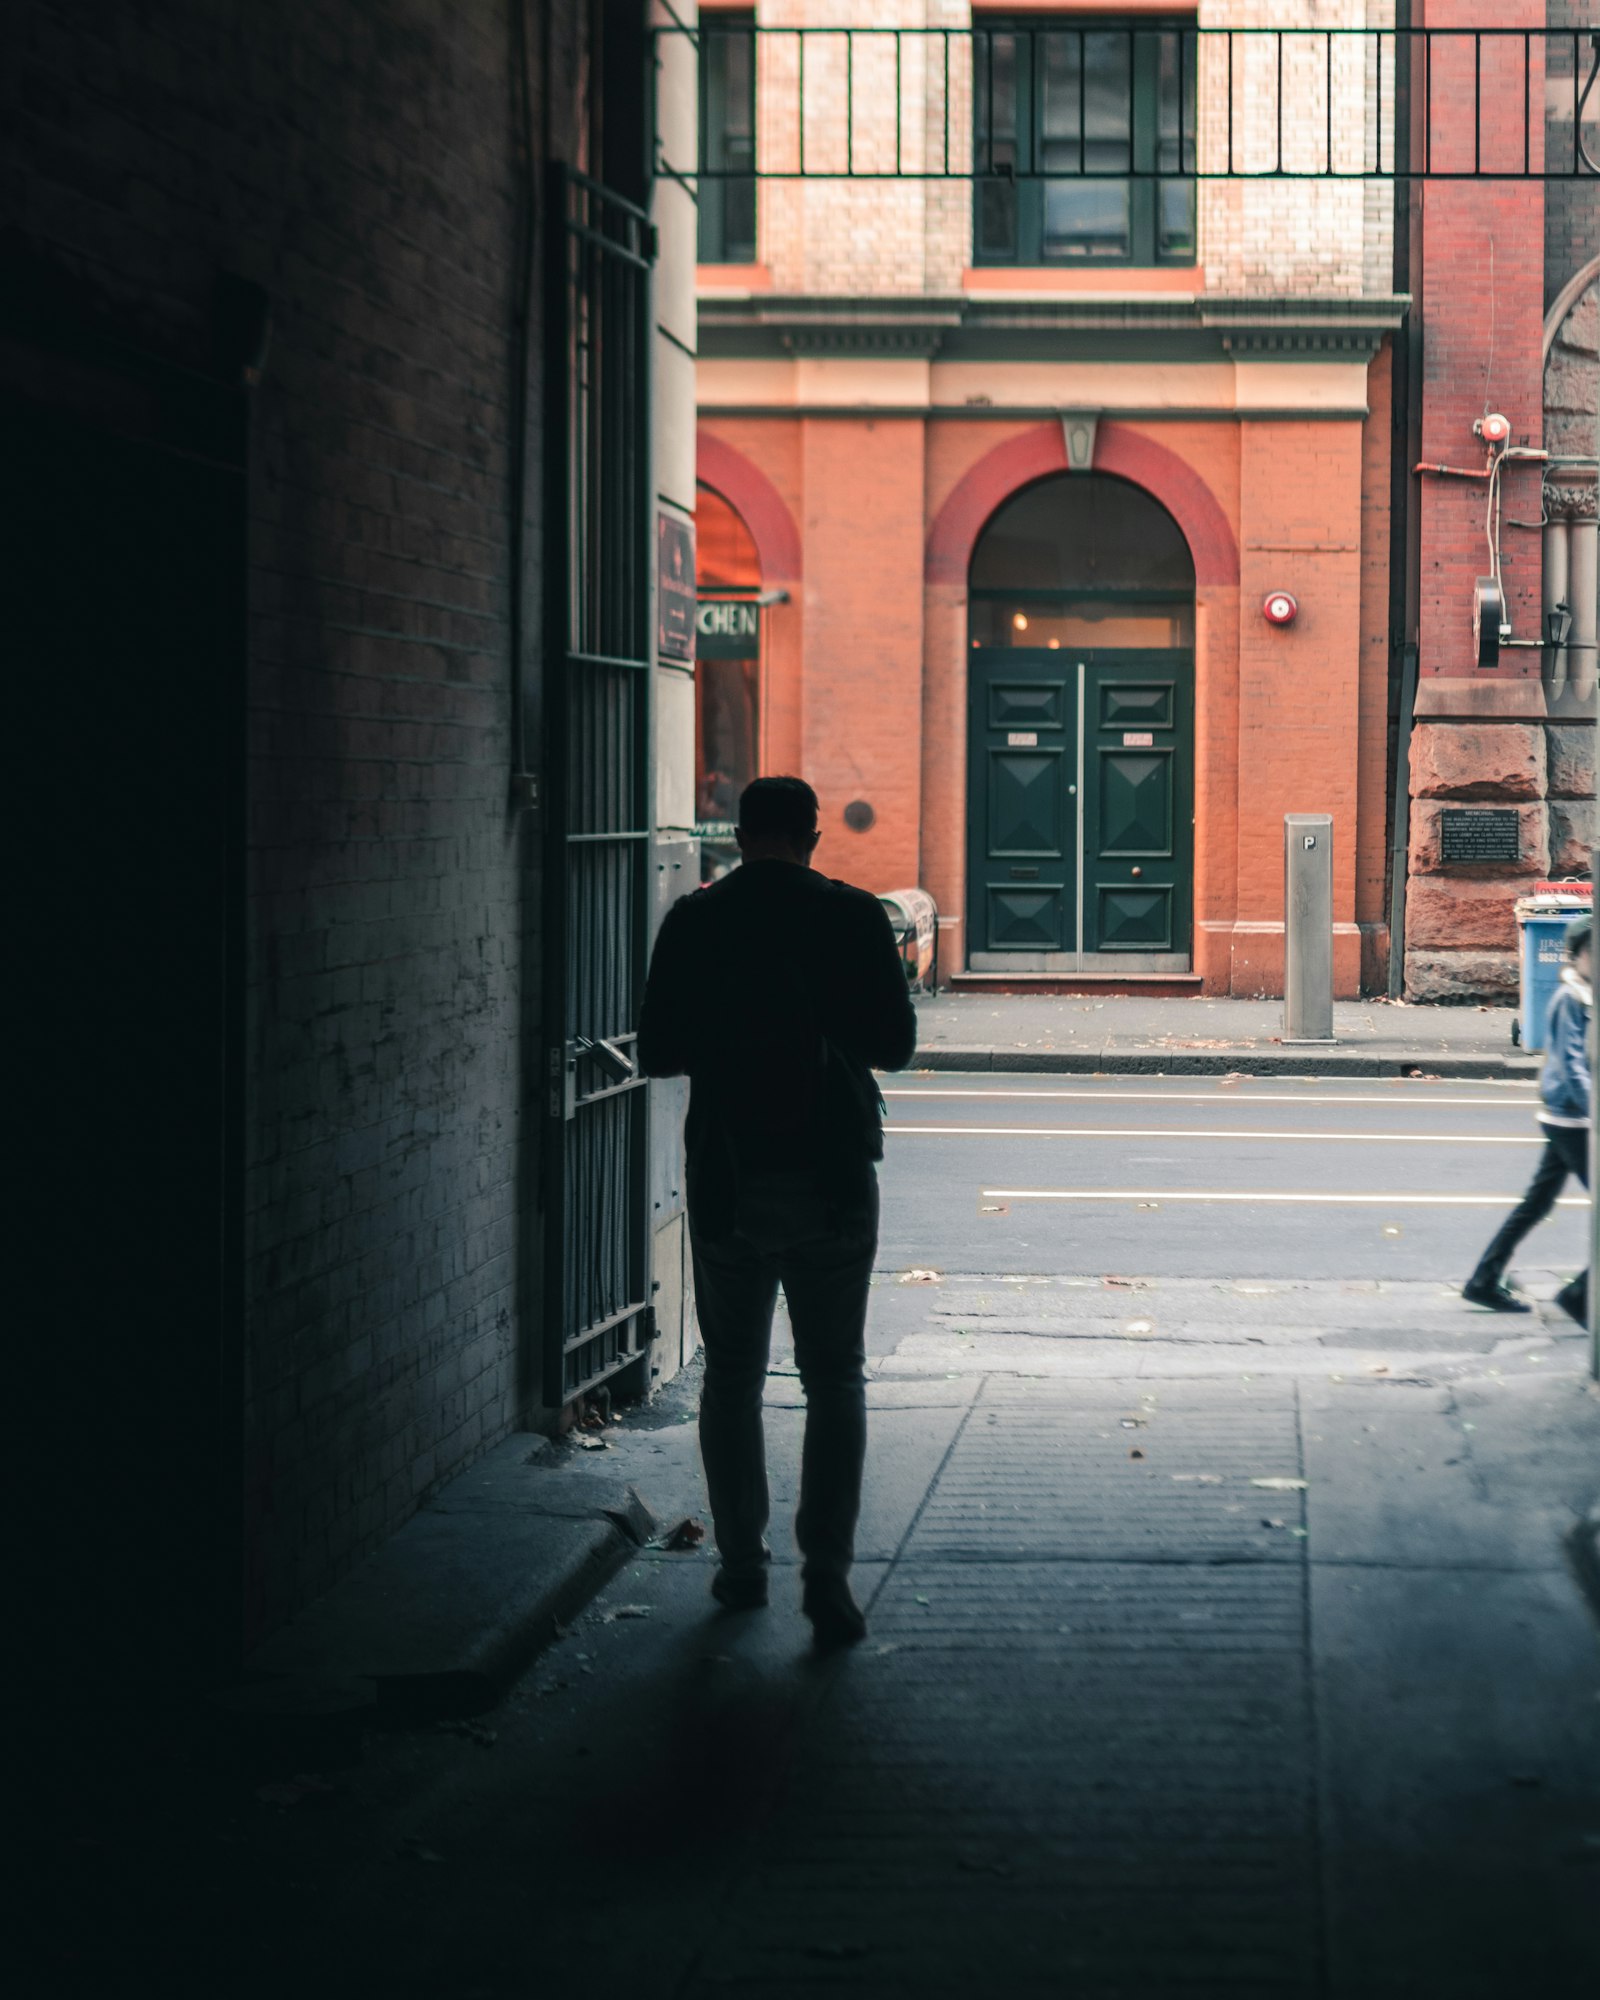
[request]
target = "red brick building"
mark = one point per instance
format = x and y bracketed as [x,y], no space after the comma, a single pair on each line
[1034,465]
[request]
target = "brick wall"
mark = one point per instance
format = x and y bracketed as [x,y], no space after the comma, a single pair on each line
[359,163]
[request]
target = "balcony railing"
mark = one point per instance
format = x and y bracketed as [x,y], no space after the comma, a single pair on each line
[1363,104]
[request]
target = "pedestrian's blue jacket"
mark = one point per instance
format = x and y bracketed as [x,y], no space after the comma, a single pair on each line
[1564,1083]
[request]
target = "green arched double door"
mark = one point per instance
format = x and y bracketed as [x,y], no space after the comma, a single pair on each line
[1080,809]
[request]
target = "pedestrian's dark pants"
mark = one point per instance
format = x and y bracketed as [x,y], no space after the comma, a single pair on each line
[783,1236]
[1566,1152]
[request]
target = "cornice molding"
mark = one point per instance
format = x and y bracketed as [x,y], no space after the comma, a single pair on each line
[921,326]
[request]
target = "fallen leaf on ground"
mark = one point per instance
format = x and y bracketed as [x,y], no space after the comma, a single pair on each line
[1266,1523]
[1136,1452]
[688,1534]
[624,1611]
[1198,1478]
[585,1441]
[1282,1485]
[918,1276]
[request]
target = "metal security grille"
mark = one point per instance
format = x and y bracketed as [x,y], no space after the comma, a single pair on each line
[842,103]
[598,812]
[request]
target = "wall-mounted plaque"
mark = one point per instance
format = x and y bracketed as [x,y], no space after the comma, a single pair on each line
[1473,835]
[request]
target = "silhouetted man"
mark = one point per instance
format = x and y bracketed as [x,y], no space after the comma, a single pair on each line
[778,992]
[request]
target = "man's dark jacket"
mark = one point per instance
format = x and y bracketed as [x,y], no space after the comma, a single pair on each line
[772,970]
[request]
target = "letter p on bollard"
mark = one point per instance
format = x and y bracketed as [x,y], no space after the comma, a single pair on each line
[1307,927]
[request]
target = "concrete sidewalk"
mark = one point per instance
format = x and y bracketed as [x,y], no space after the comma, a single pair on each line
[1224,1640]
[1199,1037]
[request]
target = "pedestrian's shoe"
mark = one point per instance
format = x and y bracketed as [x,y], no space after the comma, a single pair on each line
[836,1618]
[1498,1296]
[740,1589]
[1573,1300]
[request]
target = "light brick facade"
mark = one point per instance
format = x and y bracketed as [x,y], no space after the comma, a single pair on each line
[867,340]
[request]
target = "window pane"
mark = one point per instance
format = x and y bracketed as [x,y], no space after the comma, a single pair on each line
[1085,531]
[1085,104]
[1086,621]
[995,108]
[727,203]
[1176,104]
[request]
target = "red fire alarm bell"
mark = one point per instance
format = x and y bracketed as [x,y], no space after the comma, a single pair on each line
[1279,608]
[1493,429]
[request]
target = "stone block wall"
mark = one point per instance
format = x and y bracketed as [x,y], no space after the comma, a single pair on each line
[1461,931]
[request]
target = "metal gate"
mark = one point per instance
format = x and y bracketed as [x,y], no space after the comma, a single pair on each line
[598,1317]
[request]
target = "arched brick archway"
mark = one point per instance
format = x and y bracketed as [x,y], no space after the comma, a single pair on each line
[1119,449]
[758,502]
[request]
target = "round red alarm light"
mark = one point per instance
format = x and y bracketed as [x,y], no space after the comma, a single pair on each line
[1279,608]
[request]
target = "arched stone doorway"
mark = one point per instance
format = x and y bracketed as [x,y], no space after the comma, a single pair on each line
[1080,741]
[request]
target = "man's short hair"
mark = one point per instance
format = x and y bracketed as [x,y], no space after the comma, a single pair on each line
[1579,932]
[778,809]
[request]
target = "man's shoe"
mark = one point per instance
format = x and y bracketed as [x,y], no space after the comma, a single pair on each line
[1498,1297]
[1574,1302]
[740,1589]
[836,1618]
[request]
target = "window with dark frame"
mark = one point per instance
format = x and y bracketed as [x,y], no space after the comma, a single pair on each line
[1084,141]
[727,207]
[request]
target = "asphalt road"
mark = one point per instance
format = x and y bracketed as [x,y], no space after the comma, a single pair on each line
[1200,1178]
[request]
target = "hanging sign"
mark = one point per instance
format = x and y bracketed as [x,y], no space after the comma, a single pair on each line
[727,628]
[674,589]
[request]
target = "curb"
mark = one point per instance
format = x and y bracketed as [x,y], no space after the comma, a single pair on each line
[1222,1062]
[440,1619]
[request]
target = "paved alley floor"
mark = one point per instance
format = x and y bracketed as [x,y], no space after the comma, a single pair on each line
[1226,1641]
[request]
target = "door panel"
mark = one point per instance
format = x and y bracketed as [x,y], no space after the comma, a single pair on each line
[1076,880]
[1138,811]
[1135,795]
[1022,919]
[1022,806]
[1025,803]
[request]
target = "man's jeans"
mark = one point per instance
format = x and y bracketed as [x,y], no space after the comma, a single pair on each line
[783,1235]
[1566,1152]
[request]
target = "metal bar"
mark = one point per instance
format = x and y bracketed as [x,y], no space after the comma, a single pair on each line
[1230,102]
[1427,102]
[609,244]
[598,839]
[577,1340]
[581,659]
[1477,103]
[800,101]
[1083,103]
[1280,102]
[1527,108]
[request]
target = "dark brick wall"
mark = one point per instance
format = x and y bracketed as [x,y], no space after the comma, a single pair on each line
[360,163]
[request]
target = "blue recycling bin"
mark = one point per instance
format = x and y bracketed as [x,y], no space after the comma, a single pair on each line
[1544,921]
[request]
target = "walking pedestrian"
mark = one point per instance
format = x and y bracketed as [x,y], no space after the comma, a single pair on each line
[778,991]
[1567,1092]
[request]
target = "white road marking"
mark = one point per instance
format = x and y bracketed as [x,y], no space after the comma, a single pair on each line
[1245,1097]
[1156,1194]
[1181,1132]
